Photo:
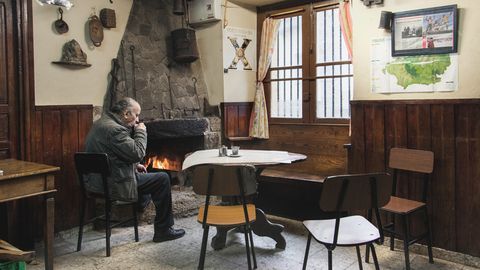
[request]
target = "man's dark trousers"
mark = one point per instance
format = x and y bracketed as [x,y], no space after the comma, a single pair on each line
[158,186]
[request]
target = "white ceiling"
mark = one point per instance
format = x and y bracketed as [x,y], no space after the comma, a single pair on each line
[257,3]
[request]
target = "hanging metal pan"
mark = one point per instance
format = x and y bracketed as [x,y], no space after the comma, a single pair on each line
[60,25]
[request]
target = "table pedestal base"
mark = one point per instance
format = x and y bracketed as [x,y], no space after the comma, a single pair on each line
[261,227]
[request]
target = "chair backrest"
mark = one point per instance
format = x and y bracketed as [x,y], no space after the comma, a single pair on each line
[92,163]
[414,160]
[224,180]
[355,192]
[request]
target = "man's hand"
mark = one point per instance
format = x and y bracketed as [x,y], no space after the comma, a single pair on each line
[141,168]
[140,126]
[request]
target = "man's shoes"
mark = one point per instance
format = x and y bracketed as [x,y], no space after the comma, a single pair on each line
[168,234]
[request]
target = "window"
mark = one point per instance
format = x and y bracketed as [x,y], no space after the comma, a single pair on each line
[311,76]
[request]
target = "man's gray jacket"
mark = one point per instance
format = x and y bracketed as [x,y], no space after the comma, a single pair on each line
[125,148]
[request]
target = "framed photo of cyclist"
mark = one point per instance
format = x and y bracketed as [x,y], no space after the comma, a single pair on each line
[425,31]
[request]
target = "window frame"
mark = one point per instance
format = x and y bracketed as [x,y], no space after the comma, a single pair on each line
[309,65]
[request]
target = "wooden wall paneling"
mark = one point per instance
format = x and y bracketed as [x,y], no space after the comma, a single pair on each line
[231,124]
[395,127]
[323,145]
[37,145]
[244,112]
[357,152]
[68,185]
[419,137]
[52,137]
[60,131]
[451,129]
[236,119]
[441,198]
[374,138]
[84,124]
[467,179]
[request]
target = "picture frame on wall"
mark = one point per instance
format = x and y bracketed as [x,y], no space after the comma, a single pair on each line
[425,31]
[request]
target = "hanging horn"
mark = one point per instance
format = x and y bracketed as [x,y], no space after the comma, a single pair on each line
[178,7]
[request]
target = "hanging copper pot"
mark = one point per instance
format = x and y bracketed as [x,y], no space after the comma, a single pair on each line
[96,30]
[60,25]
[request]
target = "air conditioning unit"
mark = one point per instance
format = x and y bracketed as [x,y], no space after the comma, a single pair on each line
[204,11]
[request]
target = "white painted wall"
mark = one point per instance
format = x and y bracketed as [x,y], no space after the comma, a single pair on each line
[234,86]
[210,49]
[239,85]
[365,27]
[57,85]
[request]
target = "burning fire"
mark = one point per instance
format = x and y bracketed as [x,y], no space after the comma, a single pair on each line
[163,163]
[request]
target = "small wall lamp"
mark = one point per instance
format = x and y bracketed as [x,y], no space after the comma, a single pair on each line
[386,20]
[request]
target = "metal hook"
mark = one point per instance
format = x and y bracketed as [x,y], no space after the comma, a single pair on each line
[60,10]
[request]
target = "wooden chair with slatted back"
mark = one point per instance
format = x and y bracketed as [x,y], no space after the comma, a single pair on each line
[216,180]
[411,161]
[340,195]
[98,163]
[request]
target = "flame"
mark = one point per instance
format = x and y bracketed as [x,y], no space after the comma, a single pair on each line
[163,163]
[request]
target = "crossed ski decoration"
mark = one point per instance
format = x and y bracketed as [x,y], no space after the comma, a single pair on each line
[240,53]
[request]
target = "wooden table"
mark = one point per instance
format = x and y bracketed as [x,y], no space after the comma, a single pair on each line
[23,179]
[260,159]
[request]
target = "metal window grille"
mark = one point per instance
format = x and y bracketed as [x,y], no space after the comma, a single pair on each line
[286,70]
[334,71]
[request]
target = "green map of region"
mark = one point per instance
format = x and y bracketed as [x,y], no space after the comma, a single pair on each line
[421,69]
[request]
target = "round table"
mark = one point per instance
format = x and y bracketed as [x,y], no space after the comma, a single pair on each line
[260,159]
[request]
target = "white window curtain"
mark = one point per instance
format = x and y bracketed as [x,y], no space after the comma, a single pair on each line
[259,116]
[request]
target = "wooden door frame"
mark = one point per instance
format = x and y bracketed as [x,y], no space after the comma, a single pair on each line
[26,83]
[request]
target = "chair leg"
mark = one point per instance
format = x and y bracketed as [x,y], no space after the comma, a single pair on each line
[330,260]
[392,235]
[253,249]
[247,246]
[80,226]
[374,256]
[135,221]
[203,250]
[367,251]
[406,240]
[306,251]
[429,237]
[359,257]
[108,230]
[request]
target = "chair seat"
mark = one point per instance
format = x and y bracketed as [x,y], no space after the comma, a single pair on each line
[353,230]
[226,215]
[402,206]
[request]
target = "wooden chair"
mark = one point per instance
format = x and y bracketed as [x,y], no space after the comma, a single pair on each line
[344,193]
[98,163]
[238,181]
[416,161]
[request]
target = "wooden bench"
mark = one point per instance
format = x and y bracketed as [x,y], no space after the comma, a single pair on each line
[290,194]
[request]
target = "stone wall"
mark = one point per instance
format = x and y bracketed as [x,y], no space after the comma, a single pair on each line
[165,89]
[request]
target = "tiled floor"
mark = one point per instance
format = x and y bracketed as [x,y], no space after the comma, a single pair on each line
[184,252]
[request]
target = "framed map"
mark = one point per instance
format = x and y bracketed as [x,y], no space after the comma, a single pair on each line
[407,74]
[425,31]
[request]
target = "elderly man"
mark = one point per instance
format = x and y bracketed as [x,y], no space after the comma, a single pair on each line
[119,134]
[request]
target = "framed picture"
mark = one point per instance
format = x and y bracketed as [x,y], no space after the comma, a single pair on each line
[425,31]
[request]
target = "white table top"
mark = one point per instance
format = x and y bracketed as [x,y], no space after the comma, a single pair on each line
[254,157]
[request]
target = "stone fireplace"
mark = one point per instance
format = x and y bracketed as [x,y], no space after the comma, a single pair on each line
[173,96]
[170,140]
